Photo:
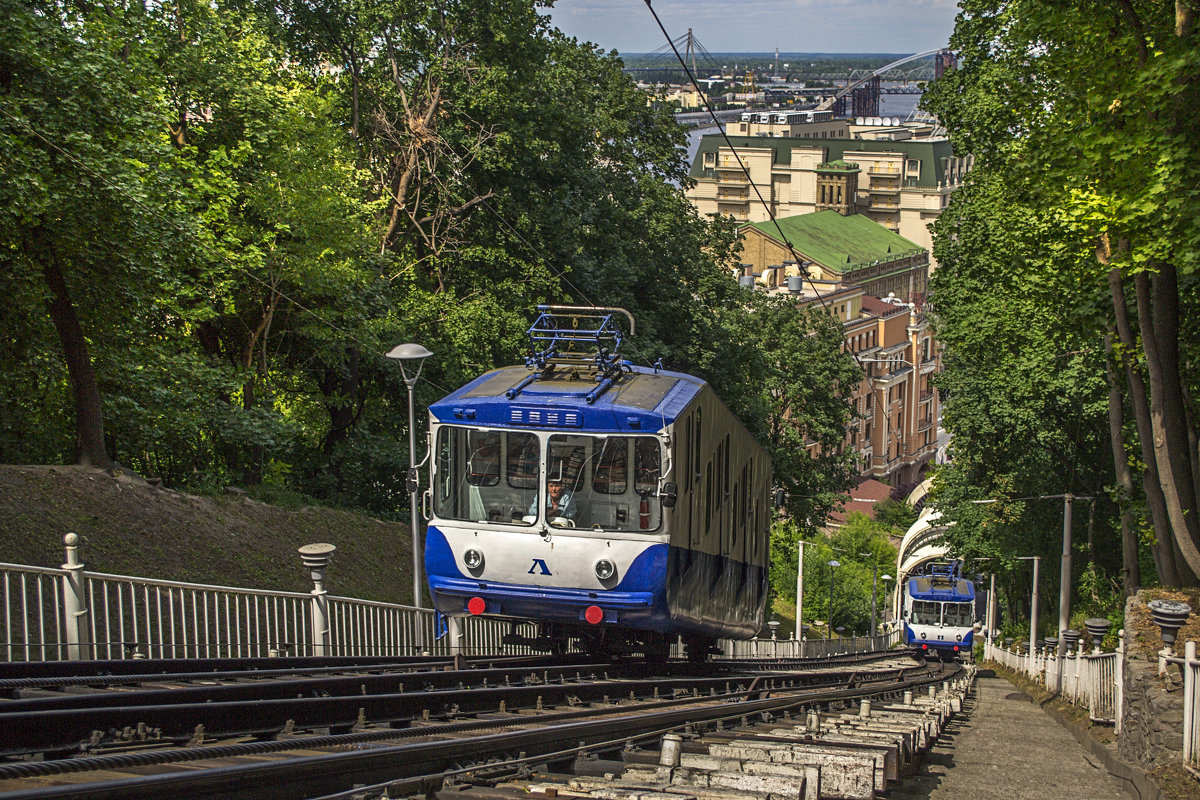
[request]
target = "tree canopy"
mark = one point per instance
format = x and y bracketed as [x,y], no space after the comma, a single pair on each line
[217,218]
[1066,289]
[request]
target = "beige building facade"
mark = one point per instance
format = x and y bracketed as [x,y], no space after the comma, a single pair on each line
[902,185]
[896,408]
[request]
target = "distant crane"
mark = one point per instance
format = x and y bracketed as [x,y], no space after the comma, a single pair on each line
[750,86]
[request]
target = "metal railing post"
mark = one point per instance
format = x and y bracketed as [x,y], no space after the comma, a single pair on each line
[75,602]
[1119,683]
[317,557]
[1189,703]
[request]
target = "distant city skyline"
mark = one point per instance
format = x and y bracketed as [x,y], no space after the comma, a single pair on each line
[760,26]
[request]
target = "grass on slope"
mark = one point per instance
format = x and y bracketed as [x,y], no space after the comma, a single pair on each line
[128,527]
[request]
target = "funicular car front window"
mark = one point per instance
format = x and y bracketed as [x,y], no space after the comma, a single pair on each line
[485,475]
[611,481]
[926,612]
[958,615]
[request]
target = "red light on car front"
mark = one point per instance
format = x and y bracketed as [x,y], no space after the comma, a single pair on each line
[476,606]
[594,614]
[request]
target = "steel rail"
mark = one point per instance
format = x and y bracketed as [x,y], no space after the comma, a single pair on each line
[35,727]
[202,752]
[260,686]
[303,777]
[24,674]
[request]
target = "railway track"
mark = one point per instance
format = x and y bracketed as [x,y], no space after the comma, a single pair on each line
[331,730]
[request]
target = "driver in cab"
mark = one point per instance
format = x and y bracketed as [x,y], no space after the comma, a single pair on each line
[560,501]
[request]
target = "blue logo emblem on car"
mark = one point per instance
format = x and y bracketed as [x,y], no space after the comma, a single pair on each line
[538,562]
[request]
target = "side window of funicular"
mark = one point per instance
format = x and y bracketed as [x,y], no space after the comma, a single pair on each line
[446,474]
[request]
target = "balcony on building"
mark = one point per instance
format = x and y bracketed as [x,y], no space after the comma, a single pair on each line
[733,192]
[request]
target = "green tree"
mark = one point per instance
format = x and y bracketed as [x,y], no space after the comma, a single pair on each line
[806,385]
[895,514]
[1081,118]
[863,550]
[90,230]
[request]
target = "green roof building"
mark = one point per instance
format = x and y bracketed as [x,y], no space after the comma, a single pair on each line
[836,249]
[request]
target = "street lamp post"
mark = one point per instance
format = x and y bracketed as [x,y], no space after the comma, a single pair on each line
[800,593]
[412,358]
[833,564]
[885,578]
[1064,593]
[874,588]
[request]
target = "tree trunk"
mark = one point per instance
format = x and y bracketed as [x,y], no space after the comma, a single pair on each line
[89,409]
[1131,577]
[1158,319]
[1162,548]
[341,390]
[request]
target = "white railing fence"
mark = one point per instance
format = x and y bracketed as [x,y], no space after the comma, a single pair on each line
[1096,682]
[1190,666]
[72,614]
[807,648]
[1092,681]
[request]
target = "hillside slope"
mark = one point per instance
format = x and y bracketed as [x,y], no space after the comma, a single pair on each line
[129,527]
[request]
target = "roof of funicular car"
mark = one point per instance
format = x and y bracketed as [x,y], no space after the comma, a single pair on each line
[924,587]
[640,400]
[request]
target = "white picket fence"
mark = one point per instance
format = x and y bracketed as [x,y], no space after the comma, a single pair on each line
[1096,681]
[1092,680]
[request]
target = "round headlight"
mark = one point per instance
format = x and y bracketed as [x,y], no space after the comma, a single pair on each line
[605,569]
[922,634]
[958,638]
[473,559]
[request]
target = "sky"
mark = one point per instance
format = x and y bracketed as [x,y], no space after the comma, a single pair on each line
[761,26]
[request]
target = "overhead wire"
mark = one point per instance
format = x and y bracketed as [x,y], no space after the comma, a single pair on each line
[741,164]
[766,206]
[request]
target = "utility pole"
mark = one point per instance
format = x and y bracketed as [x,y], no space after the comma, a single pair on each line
[800,593]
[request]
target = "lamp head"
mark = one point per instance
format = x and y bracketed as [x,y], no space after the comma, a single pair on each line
[408,352]
[409,355]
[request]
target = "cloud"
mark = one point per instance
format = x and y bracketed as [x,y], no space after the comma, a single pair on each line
[840,26]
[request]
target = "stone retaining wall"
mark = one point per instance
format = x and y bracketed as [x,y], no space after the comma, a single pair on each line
[1152,724]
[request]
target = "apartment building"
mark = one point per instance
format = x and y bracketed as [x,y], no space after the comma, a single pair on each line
[902,184]
[896,408]
[791,124]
